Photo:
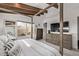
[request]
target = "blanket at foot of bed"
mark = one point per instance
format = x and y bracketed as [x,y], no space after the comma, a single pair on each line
[31,47]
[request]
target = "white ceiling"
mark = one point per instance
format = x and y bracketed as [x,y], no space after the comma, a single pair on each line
[38,5]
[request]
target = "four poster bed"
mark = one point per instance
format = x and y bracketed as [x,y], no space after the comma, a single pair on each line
[25,47]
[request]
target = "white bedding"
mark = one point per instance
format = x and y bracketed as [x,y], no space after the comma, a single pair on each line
[4,39]
[31,47]
[2,52]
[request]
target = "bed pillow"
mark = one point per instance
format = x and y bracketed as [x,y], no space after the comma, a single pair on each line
[9,46]
[4,39]
[13,49]
[11,38]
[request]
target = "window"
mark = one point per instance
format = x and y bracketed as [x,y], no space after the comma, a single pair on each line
[21,29]
[24,29]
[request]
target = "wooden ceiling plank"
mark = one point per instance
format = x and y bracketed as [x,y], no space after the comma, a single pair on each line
[55,5]
[2,11]
[16,9]
[9,5]
[32,7]
[22,6]
[41,11]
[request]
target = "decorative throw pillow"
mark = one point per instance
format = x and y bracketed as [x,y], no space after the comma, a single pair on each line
[4,39]
[13,49]
[8,46]
[11,38]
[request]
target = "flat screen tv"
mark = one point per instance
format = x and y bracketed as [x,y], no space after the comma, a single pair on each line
[55,27]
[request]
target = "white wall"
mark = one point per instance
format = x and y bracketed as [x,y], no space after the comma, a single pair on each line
[14,17]
[1,27]
[38,21]
[71,11]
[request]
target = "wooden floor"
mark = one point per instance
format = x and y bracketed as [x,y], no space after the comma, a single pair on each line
[66,51]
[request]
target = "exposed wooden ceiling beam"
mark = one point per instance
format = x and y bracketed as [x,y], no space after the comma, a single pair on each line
[41,11]
[32,7]
[2,11]
[21,8]
[55,4]
[17,9]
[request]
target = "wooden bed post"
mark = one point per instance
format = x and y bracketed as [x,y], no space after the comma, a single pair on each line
[61,28]
[31,27]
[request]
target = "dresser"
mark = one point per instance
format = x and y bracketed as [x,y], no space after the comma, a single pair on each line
[54,38]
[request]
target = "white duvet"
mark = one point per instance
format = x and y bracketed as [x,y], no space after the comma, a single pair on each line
[2,52]
[31,47]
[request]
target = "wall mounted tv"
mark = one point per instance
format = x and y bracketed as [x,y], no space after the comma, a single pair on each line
[55,27]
